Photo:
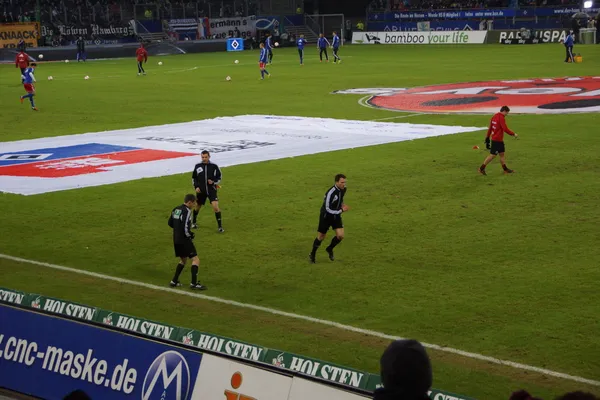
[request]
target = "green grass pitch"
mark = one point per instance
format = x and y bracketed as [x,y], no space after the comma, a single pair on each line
[505,266]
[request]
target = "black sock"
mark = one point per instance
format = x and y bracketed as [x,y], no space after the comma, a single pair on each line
[334,242]
[316,245]
[194,274]
[482,167]
[178,272]
[218,217]
[504,167]
[195,216]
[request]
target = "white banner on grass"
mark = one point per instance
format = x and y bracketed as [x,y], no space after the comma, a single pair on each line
[76,161]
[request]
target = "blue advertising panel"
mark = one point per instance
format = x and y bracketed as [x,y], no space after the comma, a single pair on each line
[49,357]
[235,44]
[459,25]
[413,26]
[490,14]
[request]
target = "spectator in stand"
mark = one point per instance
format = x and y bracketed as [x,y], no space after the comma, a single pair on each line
[522,395]
[578,396]
[591,23]
[405,372]
[77,395]
[598,28]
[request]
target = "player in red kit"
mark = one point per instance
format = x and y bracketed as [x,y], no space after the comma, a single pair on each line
[496,132]
[22,61]
[142,55]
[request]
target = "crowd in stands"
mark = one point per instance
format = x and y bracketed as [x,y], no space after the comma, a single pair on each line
[113,11]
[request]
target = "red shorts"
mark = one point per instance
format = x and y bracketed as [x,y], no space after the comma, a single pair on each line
[29,88]
[261,65]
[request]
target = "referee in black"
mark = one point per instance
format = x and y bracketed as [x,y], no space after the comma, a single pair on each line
[181,222]
[331,217]
[206,178]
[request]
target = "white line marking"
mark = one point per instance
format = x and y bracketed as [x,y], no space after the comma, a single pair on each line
[398,117]
[273,311]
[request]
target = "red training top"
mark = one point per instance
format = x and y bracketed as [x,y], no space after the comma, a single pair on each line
[22,60]
[141,54]
[498,128]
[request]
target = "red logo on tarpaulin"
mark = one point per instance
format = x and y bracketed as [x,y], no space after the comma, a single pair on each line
[87,164]
[526,96]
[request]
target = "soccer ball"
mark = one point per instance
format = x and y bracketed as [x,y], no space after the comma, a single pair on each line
[86,77]
[41,56]
[50,78]
[276,44]
[237,61]
[66,61]
[228,78]
[160,63]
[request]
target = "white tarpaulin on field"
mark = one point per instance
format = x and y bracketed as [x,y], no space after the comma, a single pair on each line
[92,159]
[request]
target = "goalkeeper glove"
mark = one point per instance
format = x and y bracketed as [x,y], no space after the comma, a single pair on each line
[487,143]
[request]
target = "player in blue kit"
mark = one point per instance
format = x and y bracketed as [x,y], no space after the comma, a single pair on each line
[301,42]
[28,81]
[569,42]
[269,47]
[322,44]
[262,61]
[335,44]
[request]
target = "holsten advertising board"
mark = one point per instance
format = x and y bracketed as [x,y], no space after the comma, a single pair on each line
[431,37]
[48,357]
[105,362]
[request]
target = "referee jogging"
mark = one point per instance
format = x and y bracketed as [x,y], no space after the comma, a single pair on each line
[206,178]
[331,217]
[569,42]
[181,222]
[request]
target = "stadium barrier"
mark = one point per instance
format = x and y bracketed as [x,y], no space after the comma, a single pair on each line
[133,346]
[524,12]
[428,37]
[505,36]
[122,50]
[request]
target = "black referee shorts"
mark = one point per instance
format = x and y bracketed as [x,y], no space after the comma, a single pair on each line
[497,148]
[327,221]
[186,249]
[211,196]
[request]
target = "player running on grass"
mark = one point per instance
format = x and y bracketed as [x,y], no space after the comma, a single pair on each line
[206,178]
[335,45]
[262,62]
[322,44]
[496,133]
[269,47]
[301,42]
[331,217]
[22,62]
[141,55]
[28,81]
